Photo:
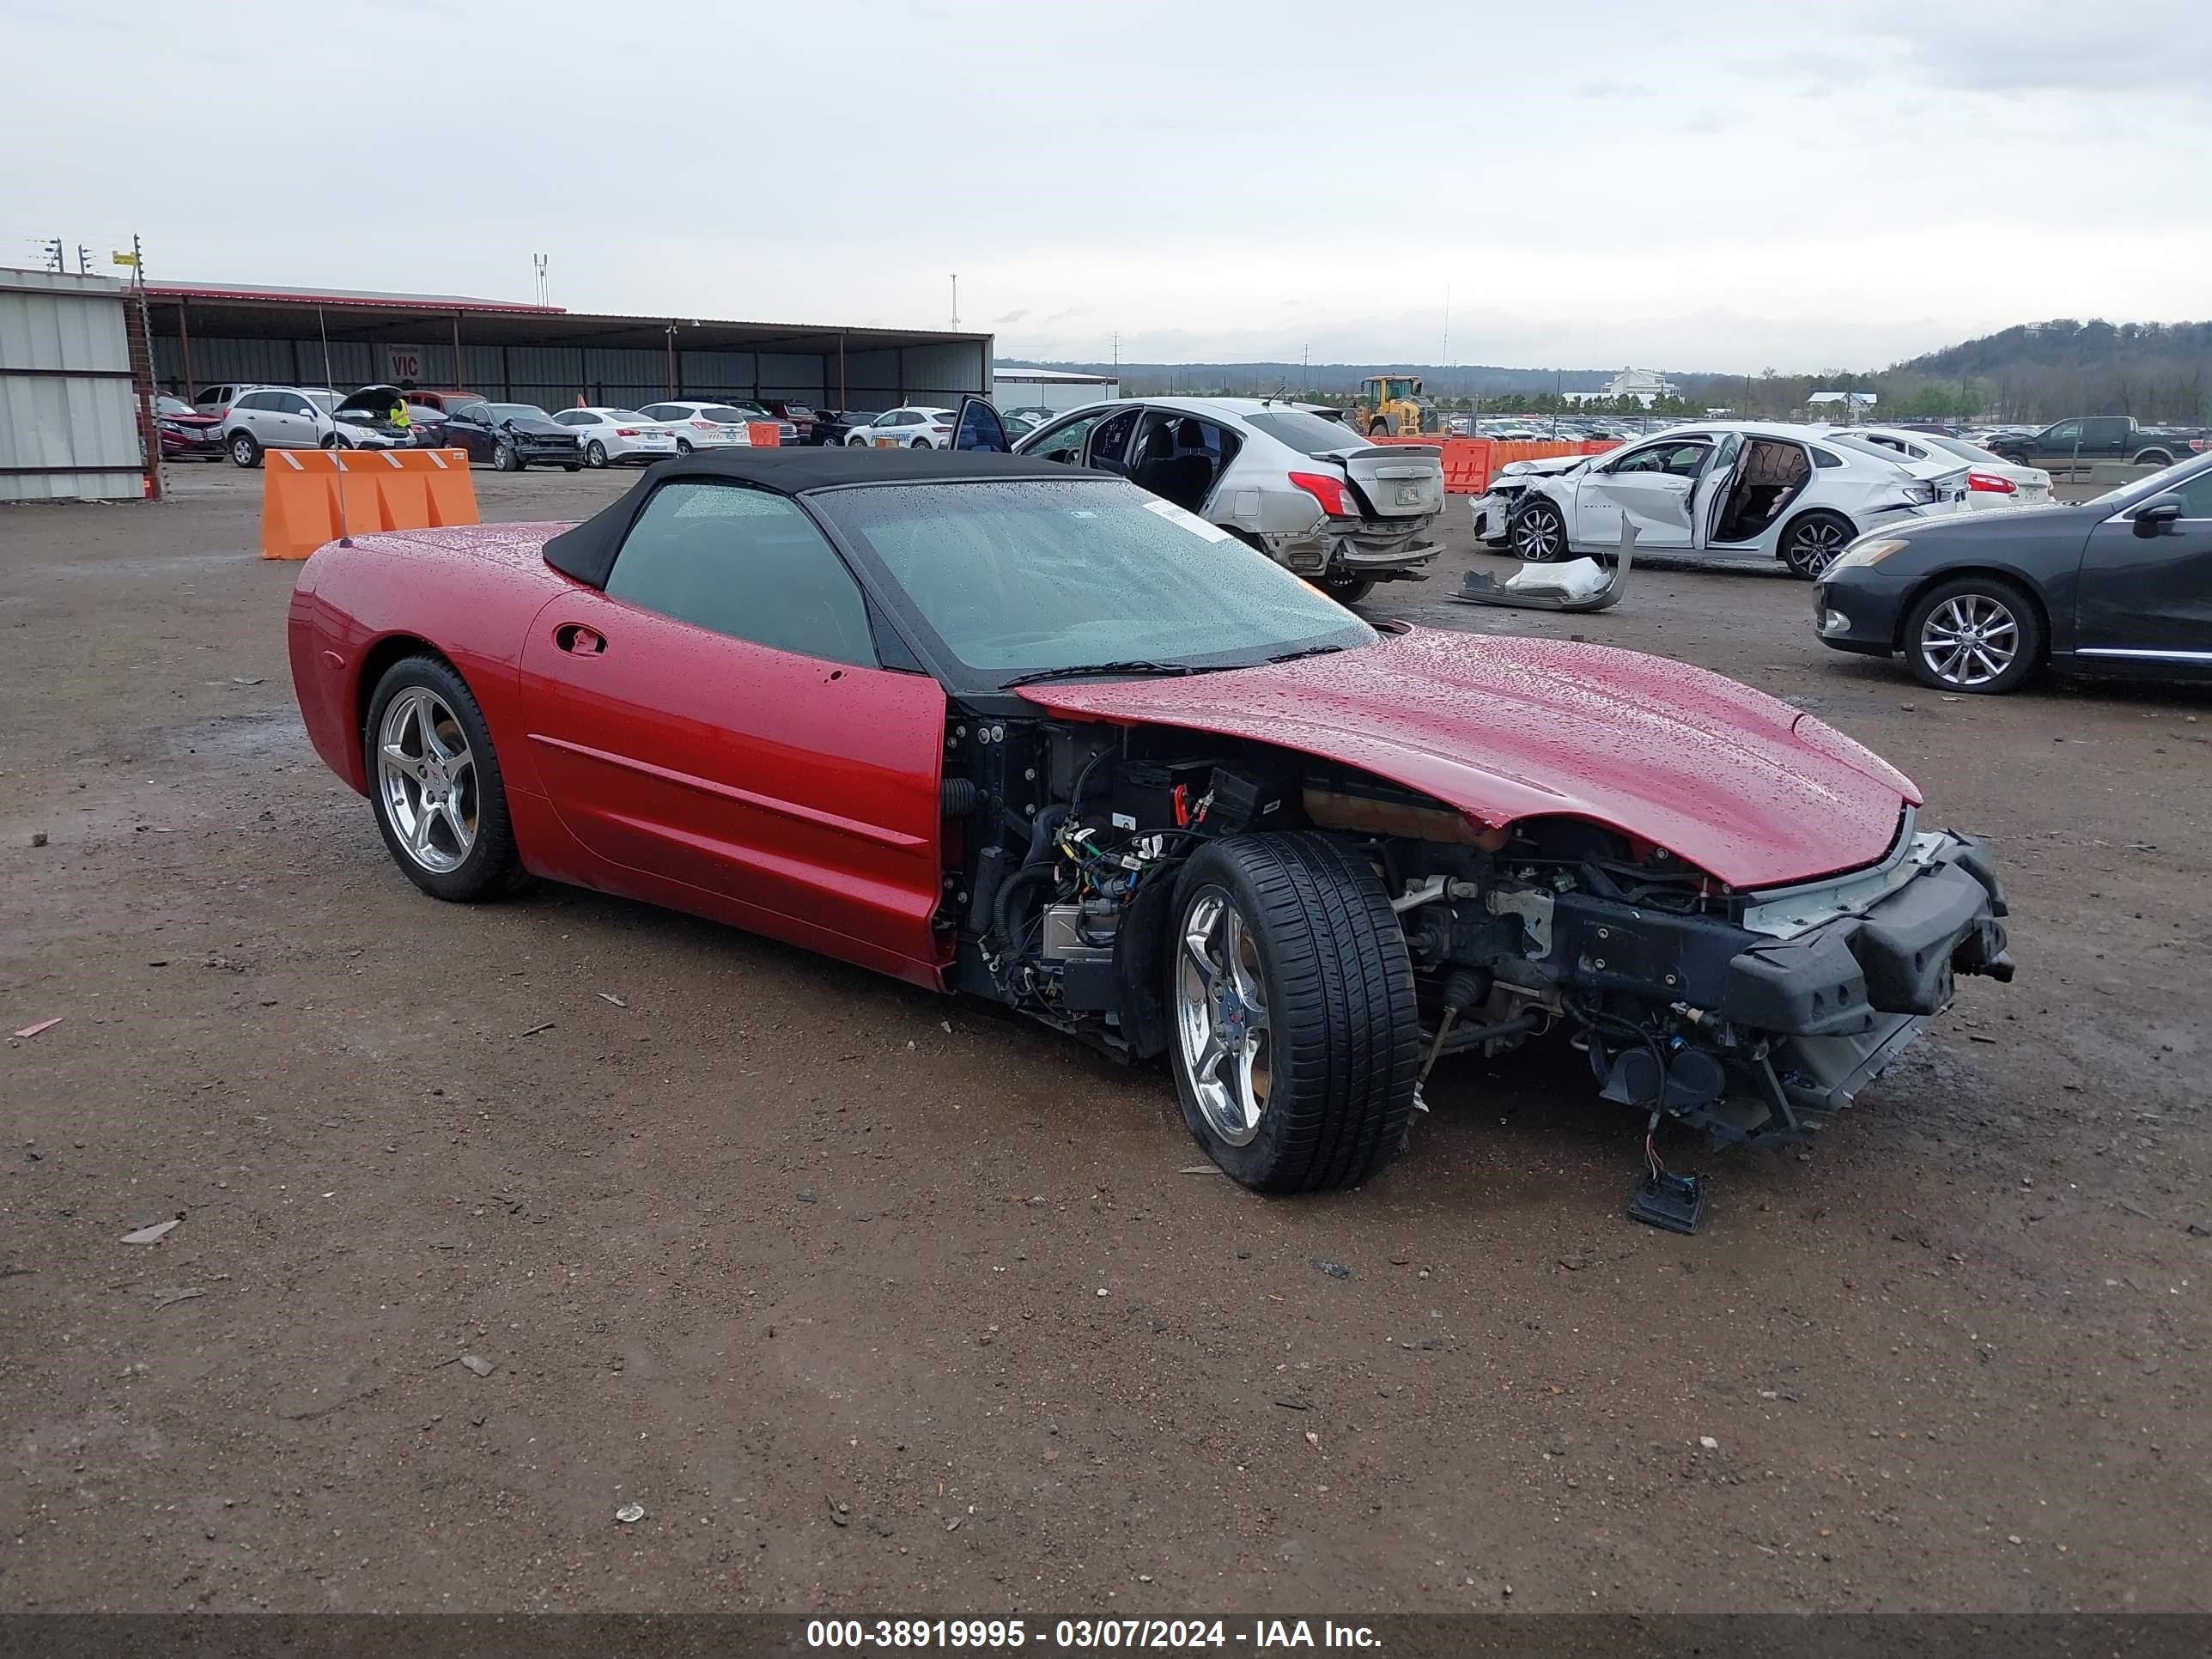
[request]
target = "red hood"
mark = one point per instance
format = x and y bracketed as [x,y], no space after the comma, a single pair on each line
[1729,780]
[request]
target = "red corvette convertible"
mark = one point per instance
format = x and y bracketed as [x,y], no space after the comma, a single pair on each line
[1001,726]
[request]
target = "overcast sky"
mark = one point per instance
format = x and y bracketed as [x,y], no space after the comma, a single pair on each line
[1709,185]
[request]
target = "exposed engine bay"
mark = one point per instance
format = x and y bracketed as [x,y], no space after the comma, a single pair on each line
[1749,1015]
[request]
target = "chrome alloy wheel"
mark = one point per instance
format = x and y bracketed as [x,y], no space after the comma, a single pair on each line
[1969,639]
[427,778]
[1221,1013]
[1815,545]
[1539,535]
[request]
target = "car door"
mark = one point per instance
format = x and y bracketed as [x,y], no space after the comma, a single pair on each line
[288,421]
[715,730]
[2105,437]
[1649,489]
[2059,445]
[1108,447]
[2149,596]
[469,429]
[1709,496]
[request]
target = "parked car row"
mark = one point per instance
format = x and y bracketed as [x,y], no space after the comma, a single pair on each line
[244,421]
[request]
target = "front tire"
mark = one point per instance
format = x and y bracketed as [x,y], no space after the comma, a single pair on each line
[1537,533]
[1980,635]
[1298,1041]
[1381,427]
[595,453]
[245,449]
[1812,542]
[434,783]
[506,459]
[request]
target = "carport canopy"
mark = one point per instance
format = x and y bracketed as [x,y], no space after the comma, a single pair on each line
[209,334]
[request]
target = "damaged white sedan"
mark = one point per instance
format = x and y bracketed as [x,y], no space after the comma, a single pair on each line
[1719,489]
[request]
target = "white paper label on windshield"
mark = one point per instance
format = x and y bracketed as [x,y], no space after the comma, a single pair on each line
[1190,521]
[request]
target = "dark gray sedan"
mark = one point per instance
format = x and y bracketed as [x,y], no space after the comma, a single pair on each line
[1979,601]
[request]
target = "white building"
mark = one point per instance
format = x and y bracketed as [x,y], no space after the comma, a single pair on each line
[1646,386]
[1054,389]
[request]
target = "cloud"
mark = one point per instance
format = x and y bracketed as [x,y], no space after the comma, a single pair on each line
[1725,185]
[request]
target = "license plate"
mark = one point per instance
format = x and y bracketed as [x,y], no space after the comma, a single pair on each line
[729,431]
[1409,494]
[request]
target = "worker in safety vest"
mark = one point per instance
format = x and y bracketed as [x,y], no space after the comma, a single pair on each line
[397,413]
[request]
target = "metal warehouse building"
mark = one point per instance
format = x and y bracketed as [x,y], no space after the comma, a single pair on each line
[207,334]
[1051,388]
[71,423]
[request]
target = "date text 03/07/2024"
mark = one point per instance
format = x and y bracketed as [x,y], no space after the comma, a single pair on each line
[1081,1634]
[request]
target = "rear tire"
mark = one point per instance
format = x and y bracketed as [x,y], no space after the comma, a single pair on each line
[1537,533]
[1812,541]
[1380,426]
[2001,632]
[245,449]
[921,443]
[422,708]
[2154,458]
[1298,1041]
[683,446]
[1347,590]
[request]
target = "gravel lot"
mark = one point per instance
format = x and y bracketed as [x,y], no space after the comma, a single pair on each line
[876,1302]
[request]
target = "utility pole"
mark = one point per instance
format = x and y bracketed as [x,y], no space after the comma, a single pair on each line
[52,253]
[1117,353]
[956,302]
[1447,359]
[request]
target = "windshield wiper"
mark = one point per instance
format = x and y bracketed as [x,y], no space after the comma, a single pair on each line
[1308,651]
[1084,670]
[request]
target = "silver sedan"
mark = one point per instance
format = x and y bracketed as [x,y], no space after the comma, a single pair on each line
[1306,490]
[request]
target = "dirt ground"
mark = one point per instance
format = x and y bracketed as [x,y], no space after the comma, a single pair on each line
[881,1303]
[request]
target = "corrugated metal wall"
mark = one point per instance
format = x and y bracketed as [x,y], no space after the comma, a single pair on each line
[73,420]
[553,376]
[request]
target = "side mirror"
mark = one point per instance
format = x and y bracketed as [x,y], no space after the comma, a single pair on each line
[979,428]
[2157,515]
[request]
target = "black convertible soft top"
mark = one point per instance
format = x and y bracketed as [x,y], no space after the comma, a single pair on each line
[588,552]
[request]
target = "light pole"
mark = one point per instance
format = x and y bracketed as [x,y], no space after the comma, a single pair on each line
[956,302]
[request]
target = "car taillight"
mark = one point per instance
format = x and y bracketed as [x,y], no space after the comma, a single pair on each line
[1328,491]
[1991,481]
[704,426]
[627,432]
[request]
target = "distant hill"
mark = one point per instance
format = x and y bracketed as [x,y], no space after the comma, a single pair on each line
[2046,371]
[1257,380]
[2033,371]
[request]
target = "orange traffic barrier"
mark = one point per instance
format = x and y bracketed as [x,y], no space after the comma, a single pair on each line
[1469,463]
[766,435]
[310,496]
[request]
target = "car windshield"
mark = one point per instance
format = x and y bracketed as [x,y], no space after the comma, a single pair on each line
[516,412]
[1310,434]
[2157,483]
[1028,576]
[169,405]
[325,401]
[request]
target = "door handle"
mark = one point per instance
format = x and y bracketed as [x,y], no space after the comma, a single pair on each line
[579,640]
